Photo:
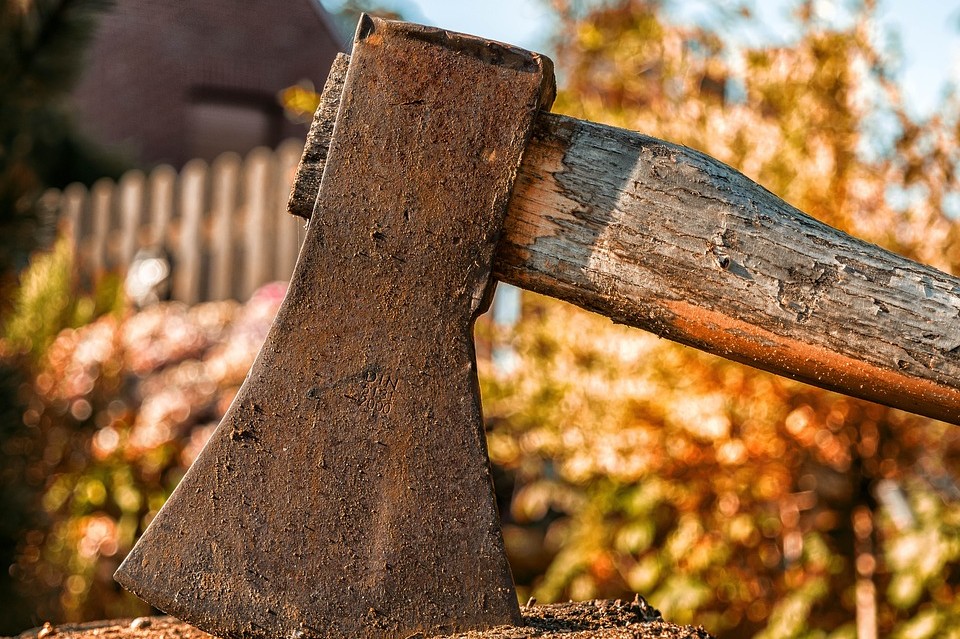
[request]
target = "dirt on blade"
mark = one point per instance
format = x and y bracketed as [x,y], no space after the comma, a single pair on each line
[598,619]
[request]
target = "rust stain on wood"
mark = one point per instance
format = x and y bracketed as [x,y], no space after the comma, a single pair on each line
[748,343]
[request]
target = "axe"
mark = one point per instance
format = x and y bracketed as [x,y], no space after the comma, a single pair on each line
[347,492]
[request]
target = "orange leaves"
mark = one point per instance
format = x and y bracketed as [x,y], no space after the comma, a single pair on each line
[121,408]
[688,467]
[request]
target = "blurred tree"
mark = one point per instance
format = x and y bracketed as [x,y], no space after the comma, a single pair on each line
[44,304]
[41,56]
[41,47]
[748,503]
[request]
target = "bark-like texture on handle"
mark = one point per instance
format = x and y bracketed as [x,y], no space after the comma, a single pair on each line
[664,238]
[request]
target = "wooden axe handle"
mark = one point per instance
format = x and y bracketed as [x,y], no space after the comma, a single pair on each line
[664,238]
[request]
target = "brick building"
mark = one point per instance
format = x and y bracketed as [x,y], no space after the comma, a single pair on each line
[169,81]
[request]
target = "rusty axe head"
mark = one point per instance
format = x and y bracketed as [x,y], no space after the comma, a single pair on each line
[347,490]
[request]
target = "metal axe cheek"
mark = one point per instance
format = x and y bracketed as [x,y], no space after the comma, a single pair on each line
[347,492]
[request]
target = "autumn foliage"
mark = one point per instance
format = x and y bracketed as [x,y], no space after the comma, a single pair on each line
[748,503]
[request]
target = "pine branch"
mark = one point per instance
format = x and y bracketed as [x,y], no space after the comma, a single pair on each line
[51,36]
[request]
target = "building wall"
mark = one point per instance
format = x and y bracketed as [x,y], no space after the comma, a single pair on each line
[167,81]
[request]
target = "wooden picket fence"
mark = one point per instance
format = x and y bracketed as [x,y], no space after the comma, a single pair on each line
[223,227]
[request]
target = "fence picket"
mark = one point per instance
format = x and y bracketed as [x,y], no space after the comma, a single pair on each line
[224,182]
[131,215]
[71,213]
[224,229]
[256,175]
[186,280]
[162,185]
[96,250]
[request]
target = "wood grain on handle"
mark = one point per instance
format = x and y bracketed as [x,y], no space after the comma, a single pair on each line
[662,237]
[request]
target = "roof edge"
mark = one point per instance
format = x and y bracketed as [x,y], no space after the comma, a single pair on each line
[342,41]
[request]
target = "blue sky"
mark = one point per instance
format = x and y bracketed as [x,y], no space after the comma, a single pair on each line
[928,30]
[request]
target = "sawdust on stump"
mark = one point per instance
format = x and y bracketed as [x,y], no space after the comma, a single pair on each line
[598,619]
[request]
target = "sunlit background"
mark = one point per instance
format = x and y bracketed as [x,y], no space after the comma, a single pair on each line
[143,268]
[923,37]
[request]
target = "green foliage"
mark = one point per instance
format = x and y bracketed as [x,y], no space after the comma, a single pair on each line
[15,498]
[41,57]
[46,302]
[41,46]
[42,302]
